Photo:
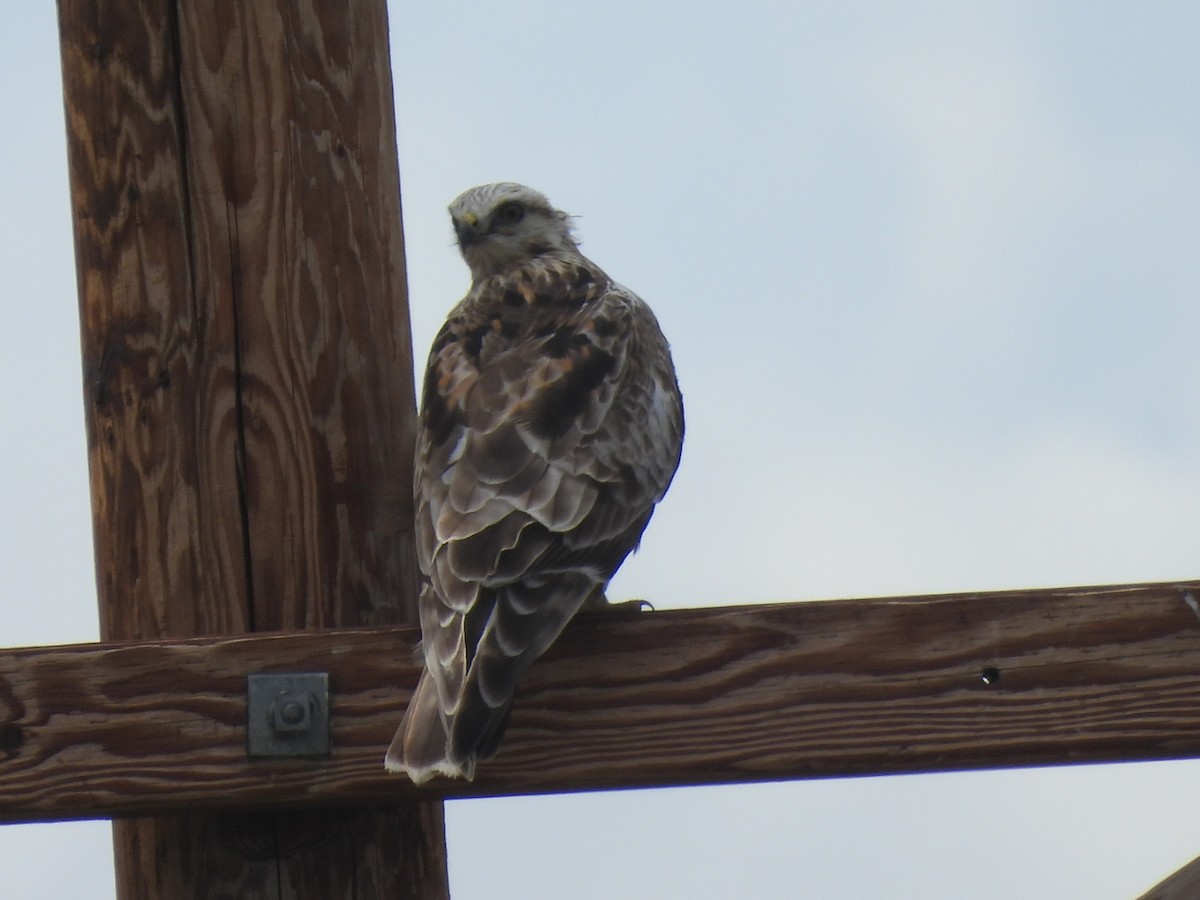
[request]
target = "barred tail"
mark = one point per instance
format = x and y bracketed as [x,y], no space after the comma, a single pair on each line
[419,747]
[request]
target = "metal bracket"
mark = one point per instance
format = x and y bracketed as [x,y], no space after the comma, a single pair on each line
[287,715]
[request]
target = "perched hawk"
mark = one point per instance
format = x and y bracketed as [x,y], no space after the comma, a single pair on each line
[550,425]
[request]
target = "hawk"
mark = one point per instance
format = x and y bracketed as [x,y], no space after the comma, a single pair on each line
[551,424]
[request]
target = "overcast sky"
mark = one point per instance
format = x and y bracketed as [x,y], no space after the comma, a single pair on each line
[931,272]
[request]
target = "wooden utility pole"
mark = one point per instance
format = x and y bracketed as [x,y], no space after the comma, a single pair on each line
[248,379]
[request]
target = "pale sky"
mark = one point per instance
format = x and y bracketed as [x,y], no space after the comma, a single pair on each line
[931,273]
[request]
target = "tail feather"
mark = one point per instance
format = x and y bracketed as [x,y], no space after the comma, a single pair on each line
[523,620]
[419,747]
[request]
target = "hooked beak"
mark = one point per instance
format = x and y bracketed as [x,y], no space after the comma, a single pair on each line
[468,231]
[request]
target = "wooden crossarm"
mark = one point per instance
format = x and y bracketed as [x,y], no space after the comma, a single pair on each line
[625,700]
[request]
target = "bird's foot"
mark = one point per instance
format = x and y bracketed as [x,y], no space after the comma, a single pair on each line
[597,601]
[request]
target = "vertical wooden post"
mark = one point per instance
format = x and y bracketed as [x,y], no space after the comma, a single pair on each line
[248,378]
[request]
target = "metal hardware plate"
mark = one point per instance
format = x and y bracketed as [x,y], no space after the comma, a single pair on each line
[287,715]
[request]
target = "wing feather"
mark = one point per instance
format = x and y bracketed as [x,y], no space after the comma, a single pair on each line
[550,426]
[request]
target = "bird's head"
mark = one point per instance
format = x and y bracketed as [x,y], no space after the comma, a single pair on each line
[505,224]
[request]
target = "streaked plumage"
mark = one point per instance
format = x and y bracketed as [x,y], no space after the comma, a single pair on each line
[551,424]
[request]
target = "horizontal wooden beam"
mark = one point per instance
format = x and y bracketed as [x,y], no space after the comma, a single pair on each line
[1182,885]
[626,700]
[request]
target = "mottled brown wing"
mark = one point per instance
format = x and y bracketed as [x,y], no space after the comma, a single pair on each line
[546,440]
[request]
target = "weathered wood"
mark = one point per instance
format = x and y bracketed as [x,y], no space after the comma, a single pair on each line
[624,700]
[1182,885]
[245,338]
[145,398]
[248,374]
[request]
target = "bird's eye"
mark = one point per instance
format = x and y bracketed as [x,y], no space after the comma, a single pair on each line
[510,213]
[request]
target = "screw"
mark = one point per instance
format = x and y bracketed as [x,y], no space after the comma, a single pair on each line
[291,713]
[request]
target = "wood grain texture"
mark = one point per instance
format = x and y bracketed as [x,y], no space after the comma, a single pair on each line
[245,337]
[297,256]
[141,335]
[628,700]
[1182,885]
[248,373]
